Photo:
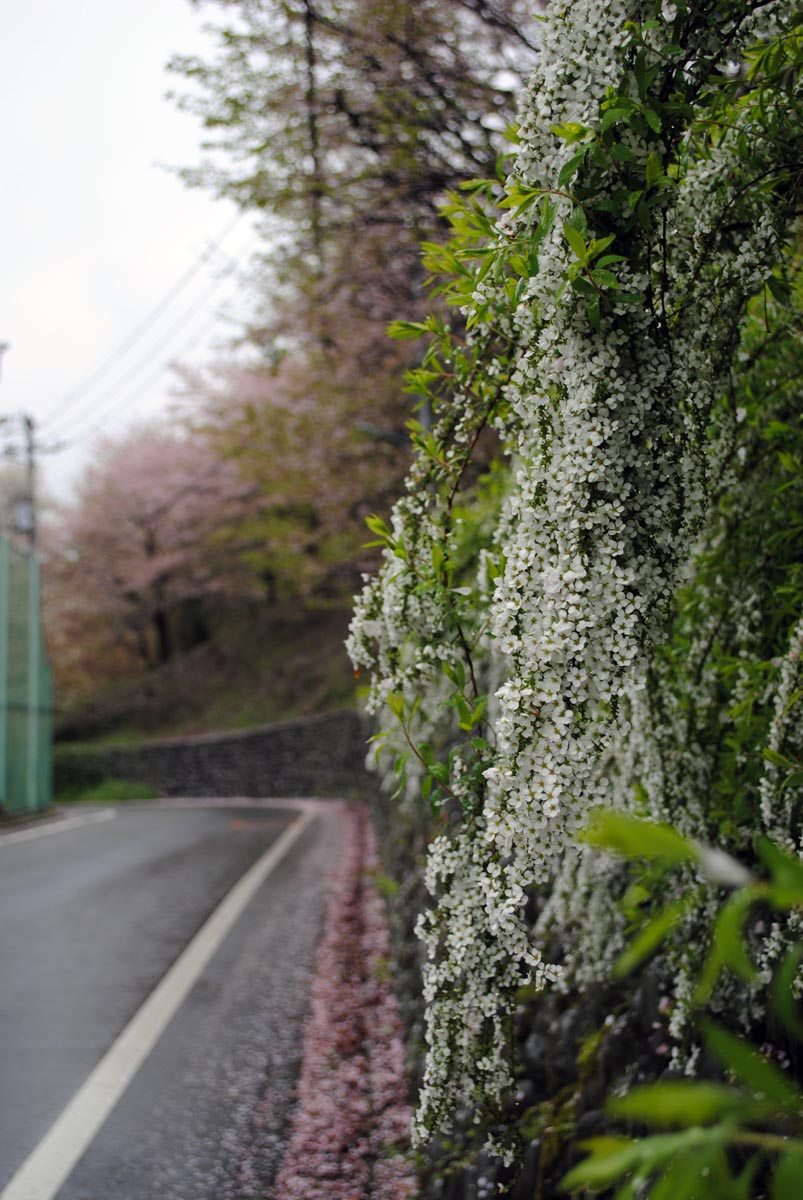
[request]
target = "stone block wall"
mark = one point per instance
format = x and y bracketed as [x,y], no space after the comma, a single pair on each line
[313,756]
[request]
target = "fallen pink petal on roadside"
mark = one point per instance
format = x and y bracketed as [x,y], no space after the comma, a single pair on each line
[350,1127]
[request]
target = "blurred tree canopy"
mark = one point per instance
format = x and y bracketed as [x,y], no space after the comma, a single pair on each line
[345,124]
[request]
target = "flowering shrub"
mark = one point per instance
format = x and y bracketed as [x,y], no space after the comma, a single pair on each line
[531,668]
[723,1135]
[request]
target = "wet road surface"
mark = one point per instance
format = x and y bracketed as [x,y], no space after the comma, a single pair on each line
[92,917]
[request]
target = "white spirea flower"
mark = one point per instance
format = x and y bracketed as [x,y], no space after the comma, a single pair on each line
[613,466]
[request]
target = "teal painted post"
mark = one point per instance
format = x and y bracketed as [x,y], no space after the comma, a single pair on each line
[34,651]
[4,618]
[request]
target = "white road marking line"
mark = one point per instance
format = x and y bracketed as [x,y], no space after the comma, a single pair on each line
[25,835]
[46,1168]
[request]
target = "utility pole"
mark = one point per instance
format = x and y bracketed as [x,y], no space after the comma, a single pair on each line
[26,508]
[29,524]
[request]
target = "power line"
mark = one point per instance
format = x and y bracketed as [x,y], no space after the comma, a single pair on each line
[129,342]
[146,360]
[136,394]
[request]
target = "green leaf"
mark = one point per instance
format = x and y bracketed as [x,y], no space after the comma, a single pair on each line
[643,215]
[599,244]
[623,153]
[782,993]
[439,771]
[583,286]
[654,168]
[677,1102]
[786,885]
[779,760]
[578,220]
[377,525]
[427,754]
[604,278]
[576,242]
[612,116]
[787,1177]
[727,946]
[702,1172]
[652,119]
[786,1180]
[779,289]
[633,838]
[407,330]
[395,702]
[570,131]
[607,1163]
[743,1186]
[436,802]
[608,1160]
[650,937]
[570,168]
[762,1077]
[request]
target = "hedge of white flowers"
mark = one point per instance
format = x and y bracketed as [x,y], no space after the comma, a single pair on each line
[651,198]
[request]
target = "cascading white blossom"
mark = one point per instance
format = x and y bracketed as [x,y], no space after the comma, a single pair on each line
[608,423]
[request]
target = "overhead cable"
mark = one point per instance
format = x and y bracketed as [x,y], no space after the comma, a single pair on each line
[68,403]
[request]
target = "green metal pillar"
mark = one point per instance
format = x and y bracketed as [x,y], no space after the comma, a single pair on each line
[34,651]
[4,619]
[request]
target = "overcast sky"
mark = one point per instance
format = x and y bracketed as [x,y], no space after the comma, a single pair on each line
[95,233]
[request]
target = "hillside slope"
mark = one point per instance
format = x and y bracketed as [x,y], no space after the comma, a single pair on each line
[250,672]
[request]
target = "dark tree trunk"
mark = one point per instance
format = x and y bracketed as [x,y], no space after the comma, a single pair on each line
[164,642]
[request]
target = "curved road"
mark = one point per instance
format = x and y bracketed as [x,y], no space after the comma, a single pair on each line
[96,916]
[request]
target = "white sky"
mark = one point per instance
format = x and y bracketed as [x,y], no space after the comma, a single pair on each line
[94,233]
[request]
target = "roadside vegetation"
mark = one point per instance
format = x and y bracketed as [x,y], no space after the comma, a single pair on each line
[606,610]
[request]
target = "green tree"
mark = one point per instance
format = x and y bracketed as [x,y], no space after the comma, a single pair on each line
[345,123]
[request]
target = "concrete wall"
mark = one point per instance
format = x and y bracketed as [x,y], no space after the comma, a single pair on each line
[315,756]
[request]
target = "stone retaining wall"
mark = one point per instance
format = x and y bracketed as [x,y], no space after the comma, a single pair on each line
[314,756]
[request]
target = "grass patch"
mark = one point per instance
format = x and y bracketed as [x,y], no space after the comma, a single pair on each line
[106,792]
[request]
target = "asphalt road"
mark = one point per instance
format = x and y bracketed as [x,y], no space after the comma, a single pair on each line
[92,917]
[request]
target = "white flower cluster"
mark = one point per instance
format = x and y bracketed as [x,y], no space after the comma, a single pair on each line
[608,426]
[778,801]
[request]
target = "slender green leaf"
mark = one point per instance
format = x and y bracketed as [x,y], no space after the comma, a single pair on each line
[787,1178]
[650,936]
[606,1163]
[727,946]
[570,168]
[633,838]
[778,760]
[703,1172]
[786,884]
[764,1079]
[576,242]
[678,1102]
[783,994]
[612,116]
